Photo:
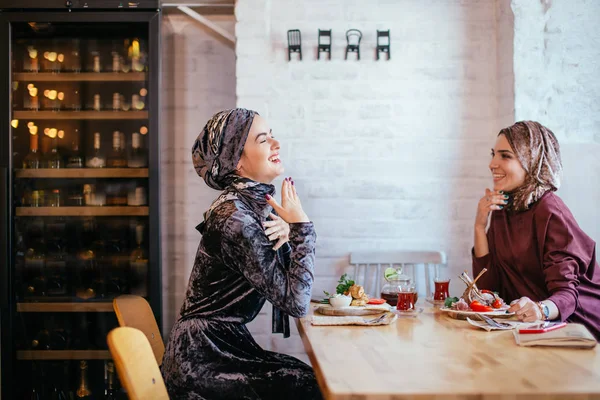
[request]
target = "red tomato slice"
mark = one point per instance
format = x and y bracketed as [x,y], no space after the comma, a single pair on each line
[376,301]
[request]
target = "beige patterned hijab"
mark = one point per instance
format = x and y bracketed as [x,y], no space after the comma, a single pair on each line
[538,151]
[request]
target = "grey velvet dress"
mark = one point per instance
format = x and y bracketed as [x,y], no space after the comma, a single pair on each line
[210,353]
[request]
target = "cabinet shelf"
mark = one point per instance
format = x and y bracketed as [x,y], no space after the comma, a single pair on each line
[63,355]
[103,211]
[105,306]
[80,77]
[82,173]
[97,115]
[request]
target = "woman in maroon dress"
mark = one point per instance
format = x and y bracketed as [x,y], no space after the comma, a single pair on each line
[536,254]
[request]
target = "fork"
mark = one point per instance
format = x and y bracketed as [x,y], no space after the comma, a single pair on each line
[494,323]
[376,320]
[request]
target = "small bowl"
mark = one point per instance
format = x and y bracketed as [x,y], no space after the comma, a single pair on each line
[340,301]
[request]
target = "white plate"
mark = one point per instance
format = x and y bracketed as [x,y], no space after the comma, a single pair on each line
[464,314]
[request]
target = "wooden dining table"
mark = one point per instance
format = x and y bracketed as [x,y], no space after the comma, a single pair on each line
[432,356]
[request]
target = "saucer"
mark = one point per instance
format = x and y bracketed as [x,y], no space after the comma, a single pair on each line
[436,303]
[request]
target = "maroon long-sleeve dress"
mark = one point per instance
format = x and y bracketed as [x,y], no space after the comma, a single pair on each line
[542,253]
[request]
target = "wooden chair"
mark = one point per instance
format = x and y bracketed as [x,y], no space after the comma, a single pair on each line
[135,312]
[419,265]
[136,365]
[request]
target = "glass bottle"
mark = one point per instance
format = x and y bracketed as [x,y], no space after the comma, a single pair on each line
[116,158]
[96,159]
[41,340]
[83,392]
[88,286]
[75,160]
[33,159]
[35,263]
[138,265]
[110,393]
[137,158]
[54,159]
[56,267]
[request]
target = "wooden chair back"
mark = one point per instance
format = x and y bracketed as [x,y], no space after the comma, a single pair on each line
[136,366]
[135,312]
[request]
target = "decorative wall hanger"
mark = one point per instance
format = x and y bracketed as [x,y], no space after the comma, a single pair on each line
[353,37]
[294,43]
[383,43]
[324,43]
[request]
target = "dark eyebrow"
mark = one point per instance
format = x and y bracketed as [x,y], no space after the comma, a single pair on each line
[261,134]
[502,151]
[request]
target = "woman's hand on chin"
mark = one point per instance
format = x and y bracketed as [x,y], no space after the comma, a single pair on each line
[492,200]
[290,209]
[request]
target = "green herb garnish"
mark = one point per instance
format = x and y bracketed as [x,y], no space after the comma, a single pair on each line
[343,284]
[449,301]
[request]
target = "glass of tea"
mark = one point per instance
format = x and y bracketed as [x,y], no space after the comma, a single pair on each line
[441,289]
[407,298]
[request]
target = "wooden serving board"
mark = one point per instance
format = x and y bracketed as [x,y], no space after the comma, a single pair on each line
[352,310]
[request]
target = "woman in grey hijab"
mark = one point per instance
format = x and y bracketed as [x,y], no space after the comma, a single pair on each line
[210,353]
[535,252]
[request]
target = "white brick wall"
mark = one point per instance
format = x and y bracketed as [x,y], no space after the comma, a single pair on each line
[389,154]
[557,65]
[198,80]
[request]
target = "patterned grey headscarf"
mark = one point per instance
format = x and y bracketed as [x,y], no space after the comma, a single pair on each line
[538,152]
[218,148]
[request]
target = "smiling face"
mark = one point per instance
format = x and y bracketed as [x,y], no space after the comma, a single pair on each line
[260,158]
[507,171]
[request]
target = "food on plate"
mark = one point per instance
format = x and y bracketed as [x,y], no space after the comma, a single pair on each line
[340,300]
[475,299]
[376,301]
[348,288]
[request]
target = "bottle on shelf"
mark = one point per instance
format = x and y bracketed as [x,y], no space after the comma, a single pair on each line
[83,391]
[96,159]
[75,160]
[54,159]
[116,194]
[56,267]
[97,106]
[138,265]
[137,158]
[96,62]
[90,280]
[34,274]
[33,159]
[137,196]
[41,340]
[31,62]
[116,102]
[110,392]
[116,158]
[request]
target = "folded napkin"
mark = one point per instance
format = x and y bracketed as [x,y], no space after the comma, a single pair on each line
[370,320]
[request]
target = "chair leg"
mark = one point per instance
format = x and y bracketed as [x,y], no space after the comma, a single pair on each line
[300,55]
[358,54]
[318,54]
[389,53]
[377,52]
[346,56]
[289,55]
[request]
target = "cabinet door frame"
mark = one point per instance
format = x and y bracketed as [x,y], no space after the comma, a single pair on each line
[8,305]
